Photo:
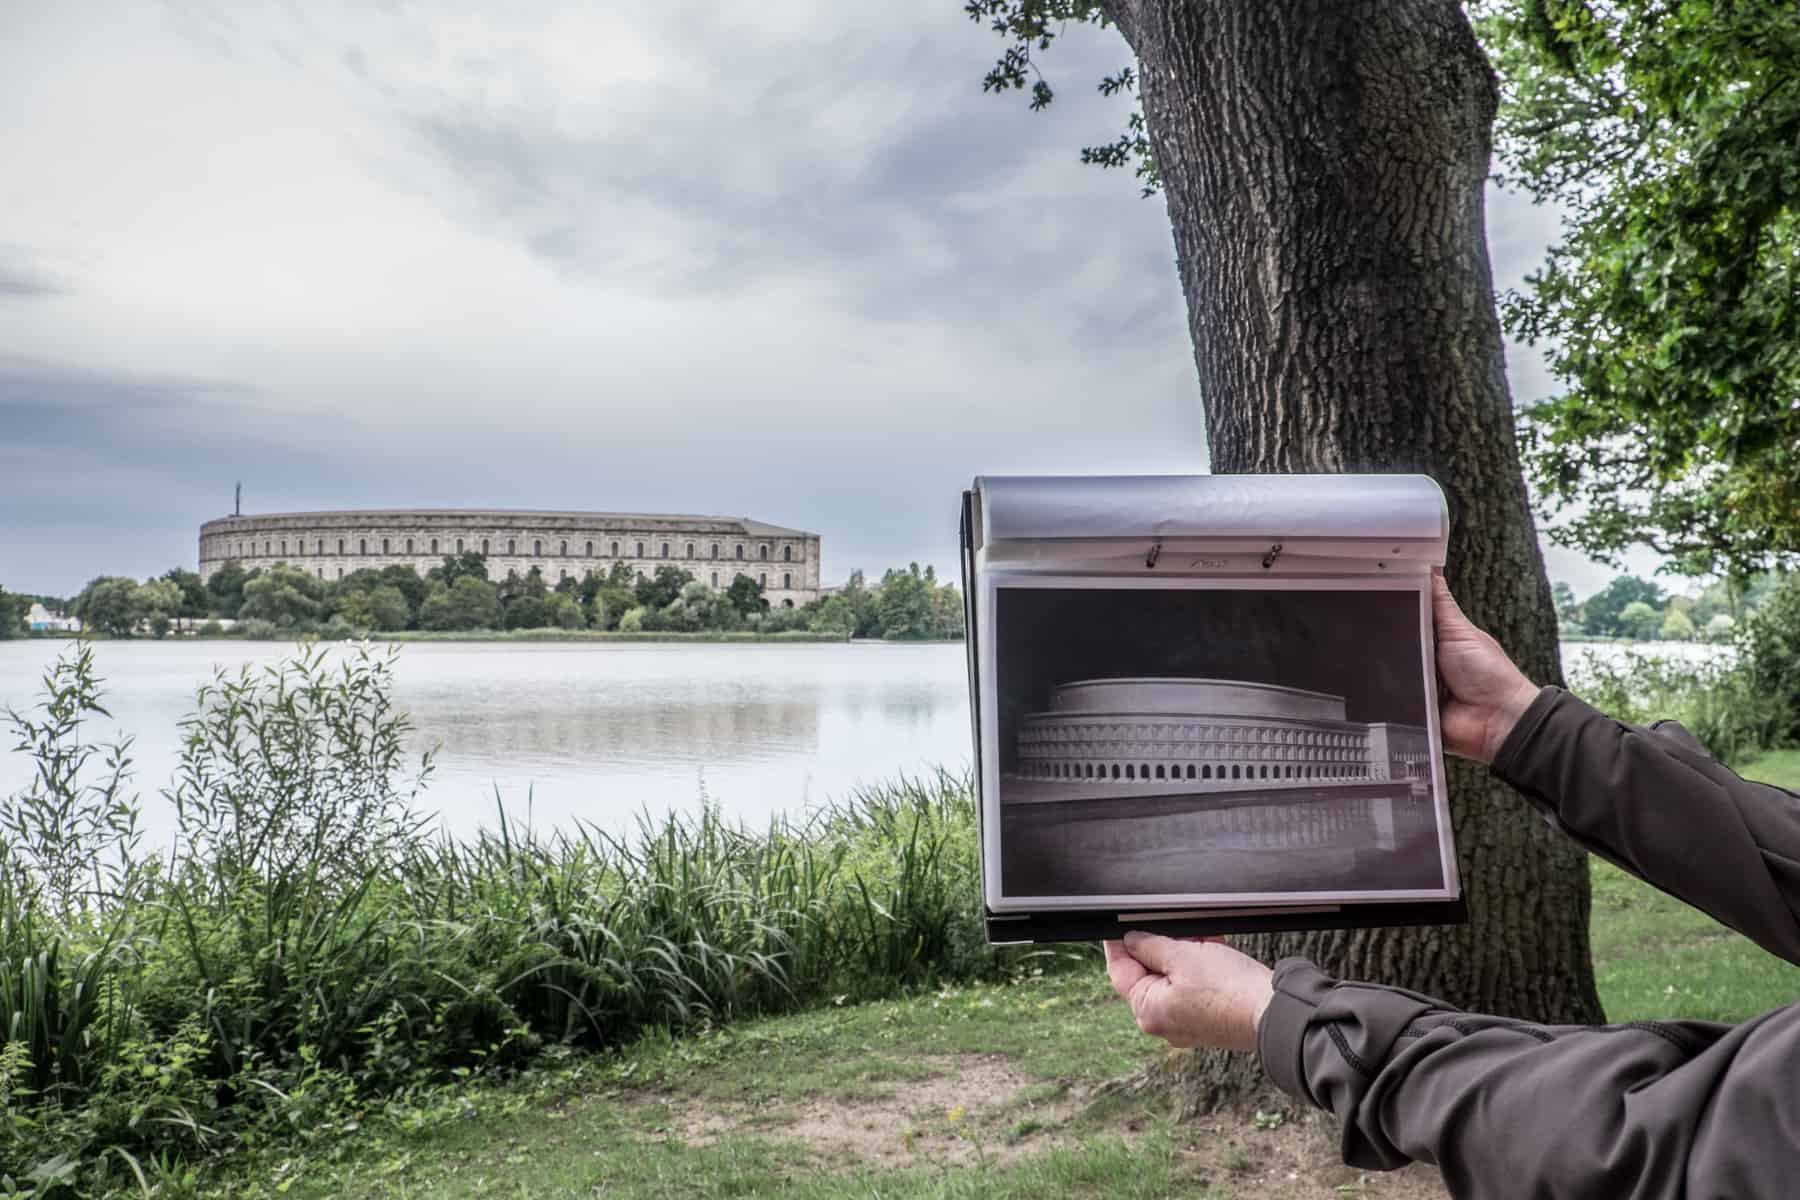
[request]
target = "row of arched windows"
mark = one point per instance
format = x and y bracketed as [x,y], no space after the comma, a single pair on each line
[1064,732]
[1197,771]
[273,547]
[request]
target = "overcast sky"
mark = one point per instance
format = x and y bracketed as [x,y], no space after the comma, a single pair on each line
[780,260]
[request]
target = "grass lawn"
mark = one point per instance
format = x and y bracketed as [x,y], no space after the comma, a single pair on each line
[978,1091]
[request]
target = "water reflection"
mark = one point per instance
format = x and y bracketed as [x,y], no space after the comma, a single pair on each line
[591,732]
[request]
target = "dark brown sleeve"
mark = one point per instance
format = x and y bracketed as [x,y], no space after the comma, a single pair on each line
[1653,801]
[1512,1109]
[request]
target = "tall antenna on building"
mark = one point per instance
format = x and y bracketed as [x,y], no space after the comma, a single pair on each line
[238,507]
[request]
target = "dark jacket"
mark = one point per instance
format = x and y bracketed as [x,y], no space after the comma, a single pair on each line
[1509,1108]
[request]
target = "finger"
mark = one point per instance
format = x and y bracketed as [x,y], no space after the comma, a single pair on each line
[1124,970]
[1153,950]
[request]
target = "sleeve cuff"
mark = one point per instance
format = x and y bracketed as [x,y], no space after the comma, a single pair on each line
[1299,987]
[1517,745]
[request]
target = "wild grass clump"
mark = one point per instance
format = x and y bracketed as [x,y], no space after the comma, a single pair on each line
[309,945]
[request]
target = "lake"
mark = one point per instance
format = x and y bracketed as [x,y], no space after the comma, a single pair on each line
[603,731]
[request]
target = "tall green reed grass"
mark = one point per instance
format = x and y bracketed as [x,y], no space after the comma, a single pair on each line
[309,943]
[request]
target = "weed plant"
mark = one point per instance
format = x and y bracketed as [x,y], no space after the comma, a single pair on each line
[309,945]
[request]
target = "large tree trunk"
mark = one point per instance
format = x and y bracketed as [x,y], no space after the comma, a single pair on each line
[1323,162]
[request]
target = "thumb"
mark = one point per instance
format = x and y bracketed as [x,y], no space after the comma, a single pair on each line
[1153,950]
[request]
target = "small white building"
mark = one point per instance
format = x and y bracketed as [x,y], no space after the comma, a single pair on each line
[41,620]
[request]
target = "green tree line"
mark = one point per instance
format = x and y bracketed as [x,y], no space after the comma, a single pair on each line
[908,604]
[1641,610]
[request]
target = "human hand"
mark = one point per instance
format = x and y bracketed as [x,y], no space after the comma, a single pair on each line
[1191,993]
[1484,693]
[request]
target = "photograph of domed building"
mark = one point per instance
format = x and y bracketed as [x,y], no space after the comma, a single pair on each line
[1268,743]
[334,544]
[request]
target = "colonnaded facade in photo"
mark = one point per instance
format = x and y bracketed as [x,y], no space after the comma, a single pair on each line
[1215,734]
[1214,786]
[561,545]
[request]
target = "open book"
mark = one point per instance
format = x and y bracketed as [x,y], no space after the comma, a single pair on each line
[1206,703]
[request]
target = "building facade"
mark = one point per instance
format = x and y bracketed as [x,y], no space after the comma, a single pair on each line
[1212,735]
[561,545]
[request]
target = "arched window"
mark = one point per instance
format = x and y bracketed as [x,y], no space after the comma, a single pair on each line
[512,545]
[615,549]
[715,579]
[1159,771]
[665,549]
[321,548]
[786,579]
[434,545]
[340,572]
[459,545]
[690,549]
[484,547]
[762,579]
[321,572]
[409,548]
[590,550]
[565,548]
[763,553]
[562,572]
[787,554]
[640,550]
[362,545]
[1190,773]
[284,547]
[537,547]
[1206,770]
[715,550]
[1128,772]
[266,549]
[1236,771]
[1115,770]
[740,554]
[384,545]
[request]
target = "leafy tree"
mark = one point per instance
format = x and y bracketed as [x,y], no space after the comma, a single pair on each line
[746,595]
[381,608]
[947,617]
[196,600]
[158,601]
[411,586]
[1677,626]
[284,596]
[906,603]
[225,590]
[1640,620]
[1720,627]
[12,614]
[861,599]
[661,589]
[702,607]
[833,616]
[109,603]
[1666,134]
[467,565]
[1605,609]
[469,603]
[633,620]
[1343,322]
[563,610]
[525,612]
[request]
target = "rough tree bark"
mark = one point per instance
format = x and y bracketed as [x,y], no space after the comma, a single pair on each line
[1323,163]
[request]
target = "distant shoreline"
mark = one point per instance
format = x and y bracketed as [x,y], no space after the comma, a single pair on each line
[542,635]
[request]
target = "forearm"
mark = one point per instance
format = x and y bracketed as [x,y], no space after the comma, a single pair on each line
[1509,1108]
[1655,802]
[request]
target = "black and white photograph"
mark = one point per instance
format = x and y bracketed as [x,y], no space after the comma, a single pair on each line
[1208,743]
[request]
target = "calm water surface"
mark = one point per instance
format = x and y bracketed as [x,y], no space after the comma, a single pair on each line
[598,732]
[601,732]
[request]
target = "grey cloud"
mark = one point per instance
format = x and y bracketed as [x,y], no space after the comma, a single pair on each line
[21,279]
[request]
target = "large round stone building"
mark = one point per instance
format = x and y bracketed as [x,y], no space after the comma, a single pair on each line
[332,545]
[1212,734]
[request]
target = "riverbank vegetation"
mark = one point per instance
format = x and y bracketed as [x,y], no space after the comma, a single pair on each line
[458,597]
[309,948]
[309,959]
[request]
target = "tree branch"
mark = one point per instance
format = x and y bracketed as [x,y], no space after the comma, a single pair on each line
[1128,16]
